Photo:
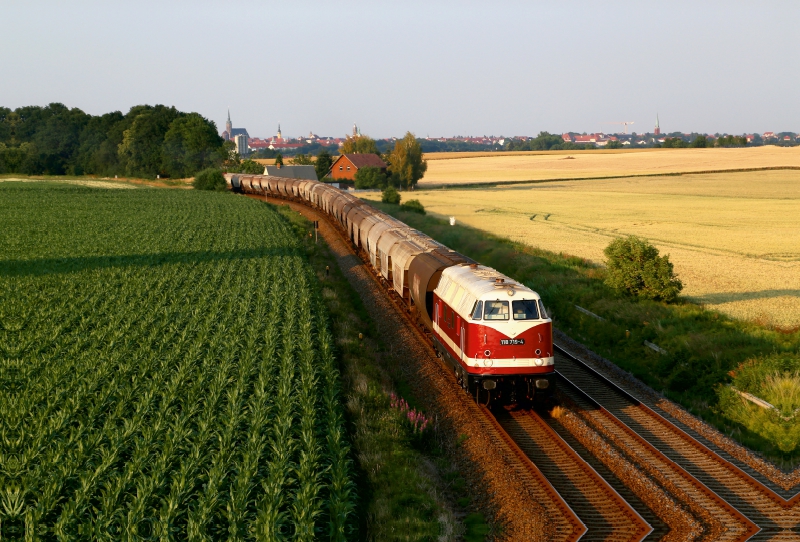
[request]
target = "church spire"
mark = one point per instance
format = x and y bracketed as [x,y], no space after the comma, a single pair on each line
[228,134]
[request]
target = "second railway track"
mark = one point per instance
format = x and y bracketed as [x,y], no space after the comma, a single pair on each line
[744,507]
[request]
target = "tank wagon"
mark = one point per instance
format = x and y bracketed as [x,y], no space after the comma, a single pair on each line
[494,332]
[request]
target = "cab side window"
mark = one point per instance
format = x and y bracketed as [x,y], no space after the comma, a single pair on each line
[477,311]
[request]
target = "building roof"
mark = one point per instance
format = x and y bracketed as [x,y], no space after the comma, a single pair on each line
[237,131]
[364,160]
[292,172]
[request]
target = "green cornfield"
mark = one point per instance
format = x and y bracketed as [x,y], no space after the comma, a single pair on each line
[166,371]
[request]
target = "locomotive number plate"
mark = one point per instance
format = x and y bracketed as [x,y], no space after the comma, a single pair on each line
[505,342]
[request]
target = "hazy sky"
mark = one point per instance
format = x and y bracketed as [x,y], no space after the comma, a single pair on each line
[434,68]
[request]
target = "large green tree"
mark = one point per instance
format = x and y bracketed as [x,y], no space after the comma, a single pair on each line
[148,140]
[359,144]
[323,164]
[190,145]
[142,142]
[406,162]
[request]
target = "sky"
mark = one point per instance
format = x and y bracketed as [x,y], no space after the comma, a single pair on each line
[435,68]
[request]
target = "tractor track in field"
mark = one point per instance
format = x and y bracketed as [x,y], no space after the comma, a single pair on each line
[607,465]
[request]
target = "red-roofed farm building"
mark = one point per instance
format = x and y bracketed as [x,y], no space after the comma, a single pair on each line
[346,165]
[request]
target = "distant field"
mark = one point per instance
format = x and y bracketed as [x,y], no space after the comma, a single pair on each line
[458,168]
[733,237]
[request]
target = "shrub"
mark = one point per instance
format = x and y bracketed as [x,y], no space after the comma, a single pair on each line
[251,167]
[635,268]
[414,206]
[370,177]
[390,195]
[209,179]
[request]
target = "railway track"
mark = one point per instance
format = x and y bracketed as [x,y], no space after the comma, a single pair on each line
[669,484]
[610,516]
[744,506]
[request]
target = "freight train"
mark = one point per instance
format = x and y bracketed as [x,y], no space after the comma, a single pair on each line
[493,332]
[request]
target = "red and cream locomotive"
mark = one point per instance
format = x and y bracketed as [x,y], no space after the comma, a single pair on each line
[495,333]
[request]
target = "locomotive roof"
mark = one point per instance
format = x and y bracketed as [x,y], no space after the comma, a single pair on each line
[462,285]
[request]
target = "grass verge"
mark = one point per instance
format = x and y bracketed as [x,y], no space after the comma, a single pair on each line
[701,346]
[776,380]
[408,489]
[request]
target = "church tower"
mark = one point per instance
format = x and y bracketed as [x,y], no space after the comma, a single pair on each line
[279,131]
[229,124]
[657,130]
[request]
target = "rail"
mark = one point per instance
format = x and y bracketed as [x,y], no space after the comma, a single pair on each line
[755,506]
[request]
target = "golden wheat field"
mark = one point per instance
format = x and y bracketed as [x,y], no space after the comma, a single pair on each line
[457,168]
[734,238]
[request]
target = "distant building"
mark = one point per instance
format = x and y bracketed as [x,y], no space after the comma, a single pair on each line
[230,132]
[256,144]
[240,142]
[346,165]
[657,130]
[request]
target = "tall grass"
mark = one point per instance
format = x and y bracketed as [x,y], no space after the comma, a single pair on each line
[783,391]
[774,378]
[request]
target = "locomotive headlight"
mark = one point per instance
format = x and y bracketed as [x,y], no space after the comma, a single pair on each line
[539,362]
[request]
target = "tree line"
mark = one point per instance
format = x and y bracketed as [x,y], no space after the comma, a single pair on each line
[406,166]
[702,142]
[145,142]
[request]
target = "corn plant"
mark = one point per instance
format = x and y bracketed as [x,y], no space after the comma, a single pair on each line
[166,372]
